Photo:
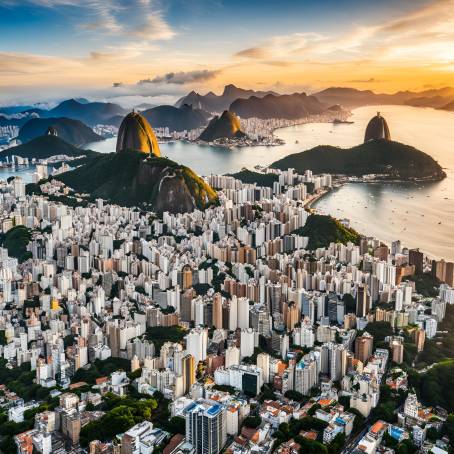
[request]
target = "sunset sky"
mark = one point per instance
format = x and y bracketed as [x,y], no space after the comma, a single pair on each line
[51,49]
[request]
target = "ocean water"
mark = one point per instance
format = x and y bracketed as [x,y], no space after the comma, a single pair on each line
[420,215]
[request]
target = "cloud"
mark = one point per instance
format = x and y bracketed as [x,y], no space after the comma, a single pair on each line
[12,63]
[183,77]
[253,52]
[364,81]
[155,28]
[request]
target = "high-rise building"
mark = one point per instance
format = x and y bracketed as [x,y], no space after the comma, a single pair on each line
[397,350]
[416,258]
[362,301]
[364,347]
[188,372]
[217,311]
[420,338]
[197,343]
[263,362]
[247,342]
[206,427]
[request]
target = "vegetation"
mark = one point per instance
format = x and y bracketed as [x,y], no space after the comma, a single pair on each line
[129,179]
[160,334]
[20,380]
[379,330]
[385,158]
[122,414]
[101,368]
[291,430]
[250,177]
[426,284]
[16,241]
[323,230]
[295,395]
[8,429]
[435,386]
[387,405]
[252,421]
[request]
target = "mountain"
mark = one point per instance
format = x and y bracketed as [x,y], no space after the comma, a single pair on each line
[226,126]
[449,106]
[90,113]
[297,105]
[352,97]
[72,131]
[44,147]
[130,179]
[387,159]
[176,118]
[13,121]
[218,103]
[323,230]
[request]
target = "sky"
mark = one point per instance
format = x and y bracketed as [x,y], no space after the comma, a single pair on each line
[157,50]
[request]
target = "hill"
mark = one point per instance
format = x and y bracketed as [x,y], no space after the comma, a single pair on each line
[72,131]
[387,159]
[295,106]
[449,106]
[226,126]
[323,230]
[91,113]
[130,179]
[176,118]
[218,103]
[44,147]
[250,177]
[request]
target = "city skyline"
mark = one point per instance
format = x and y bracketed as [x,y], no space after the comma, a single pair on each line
[113,50]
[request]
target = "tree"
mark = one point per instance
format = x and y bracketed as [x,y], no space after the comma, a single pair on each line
[252,421]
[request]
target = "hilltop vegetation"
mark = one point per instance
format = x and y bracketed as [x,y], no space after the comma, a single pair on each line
[387,159]
[250,177]
[16,240]
[130,179]
[323,230]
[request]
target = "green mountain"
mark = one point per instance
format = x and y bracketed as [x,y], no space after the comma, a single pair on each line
[297,105]
[44,147]
[134,180]
[251,177]
[176,118]
[72,131]
[385,158]
[323,230]
[226,126]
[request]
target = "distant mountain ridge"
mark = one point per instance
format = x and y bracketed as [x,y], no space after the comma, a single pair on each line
[72,131]
[90,113]
[176,118]
[352,97]
[226,126]
[218,103]
[297,105]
